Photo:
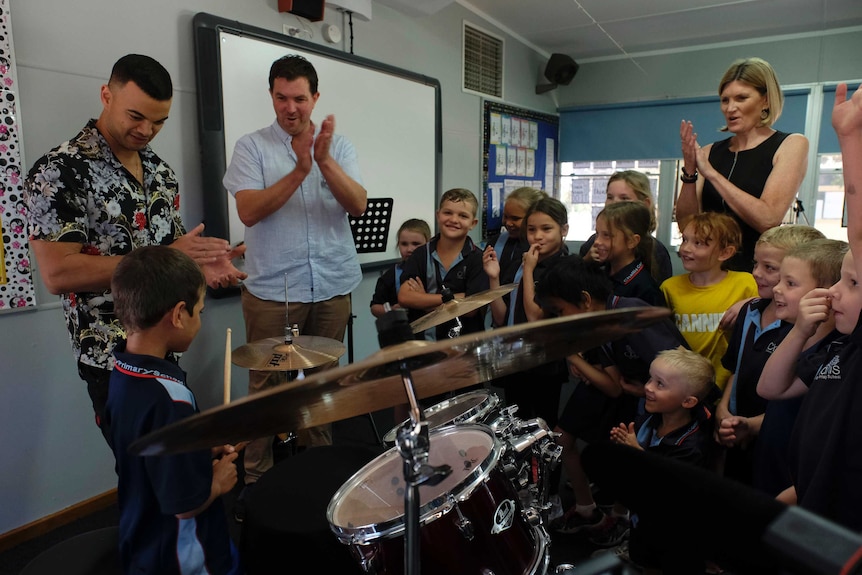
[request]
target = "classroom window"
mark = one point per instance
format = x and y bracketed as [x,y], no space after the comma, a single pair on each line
[583,187]
[829,210]
[828,213]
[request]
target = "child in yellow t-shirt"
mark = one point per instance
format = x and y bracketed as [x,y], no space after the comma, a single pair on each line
[699,297]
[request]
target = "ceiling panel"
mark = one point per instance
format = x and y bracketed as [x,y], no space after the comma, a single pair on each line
[642,25]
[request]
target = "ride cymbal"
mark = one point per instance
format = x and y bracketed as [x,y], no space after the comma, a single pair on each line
[376,382]
[273,354]
[458,307]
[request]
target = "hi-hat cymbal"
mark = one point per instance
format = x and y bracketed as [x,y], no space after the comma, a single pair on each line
[376,382]
[273,354]
[458,307]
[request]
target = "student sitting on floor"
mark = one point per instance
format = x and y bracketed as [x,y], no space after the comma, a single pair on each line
[675,424]
[610,387]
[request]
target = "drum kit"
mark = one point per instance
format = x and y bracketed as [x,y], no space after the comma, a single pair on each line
[463,487]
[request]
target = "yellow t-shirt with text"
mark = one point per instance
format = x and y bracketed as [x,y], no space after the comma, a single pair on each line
[698,311]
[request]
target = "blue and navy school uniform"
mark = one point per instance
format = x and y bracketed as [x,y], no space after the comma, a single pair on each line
[532,401]
[649,544]
[826,444]
[466,275]
[510,254]
[771,458]
[660,254]
[635,280]
[515,314]
[510,251]
[747,353]
[633,353]
[590,414]
[689,443]
[388,284]
[145,394]
[749,348]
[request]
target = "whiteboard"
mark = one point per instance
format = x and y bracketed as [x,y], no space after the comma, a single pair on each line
[391,116]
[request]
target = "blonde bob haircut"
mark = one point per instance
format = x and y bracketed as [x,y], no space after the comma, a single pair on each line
[760,75]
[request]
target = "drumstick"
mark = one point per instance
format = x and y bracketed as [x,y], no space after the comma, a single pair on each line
[227,369]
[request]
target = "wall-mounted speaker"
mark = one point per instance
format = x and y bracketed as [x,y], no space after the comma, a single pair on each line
[308,9]
[559,71]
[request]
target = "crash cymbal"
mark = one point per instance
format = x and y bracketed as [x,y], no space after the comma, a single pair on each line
[273,354]
[458,307]
[375,383]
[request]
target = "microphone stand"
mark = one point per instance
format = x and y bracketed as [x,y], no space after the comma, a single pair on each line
[800,211]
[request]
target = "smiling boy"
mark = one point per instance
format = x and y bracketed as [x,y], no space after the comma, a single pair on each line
[449,260]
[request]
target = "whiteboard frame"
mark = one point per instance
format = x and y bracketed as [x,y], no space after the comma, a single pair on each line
[217,136]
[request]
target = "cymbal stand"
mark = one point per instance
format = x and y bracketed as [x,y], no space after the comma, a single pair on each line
[448,296]
[412,440]
[290,331]
[455,330]
[413,445]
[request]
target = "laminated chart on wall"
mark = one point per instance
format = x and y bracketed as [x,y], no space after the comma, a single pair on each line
[520,151]
[16,279]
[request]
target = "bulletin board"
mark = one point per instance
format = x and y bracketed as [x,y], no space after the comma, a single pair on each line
[520,149]
[16,279]
[390,115]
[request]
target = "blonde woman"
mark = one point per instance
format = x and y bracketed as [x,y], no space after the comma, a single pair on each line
[754,175]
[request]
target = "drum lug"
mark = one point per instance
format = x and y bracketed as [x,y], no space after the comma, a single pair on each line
[515,471]
[465,526]
[551,454]
[532,516]
[366,556]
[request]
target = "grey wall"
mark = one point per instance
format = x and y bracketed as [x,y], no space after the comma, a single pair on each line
[831,57]
[54,455]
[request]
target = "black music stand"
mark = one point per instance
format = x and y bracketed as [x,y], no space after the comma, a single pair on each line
[371,228]
[370,234]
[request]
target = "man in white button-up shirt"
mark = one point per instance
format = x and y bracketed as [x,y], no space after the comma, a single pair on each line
[295,184]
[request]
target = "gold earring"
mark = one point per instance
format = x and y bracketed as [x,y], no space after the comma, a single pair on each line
[764,114]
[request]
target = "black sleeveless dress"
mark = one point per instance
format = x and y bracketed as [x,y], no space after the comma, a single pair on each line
[748,170]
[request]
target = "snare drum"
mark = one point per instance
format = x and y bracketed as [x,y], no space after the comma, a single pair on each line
[471,523]
[470,407]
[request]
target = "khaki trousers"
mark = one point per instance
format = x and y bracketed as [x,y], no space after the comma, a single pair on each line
[265,319]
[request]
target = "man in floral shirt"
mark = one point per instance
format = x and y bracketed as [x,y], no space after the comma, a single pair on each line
[104,193]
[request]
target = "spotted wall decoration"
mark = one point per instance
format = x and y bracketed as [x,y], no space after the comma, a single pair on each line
[16,279]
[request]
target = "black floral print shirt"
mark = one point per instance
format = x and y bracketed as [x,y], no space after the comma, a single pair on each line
[80,192]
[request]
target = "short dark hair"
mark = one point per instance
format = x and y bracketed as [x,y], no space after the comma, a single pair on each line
[456,195]
[150,281]
[291,67]
[553,207]
[569,277]
[146,73]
